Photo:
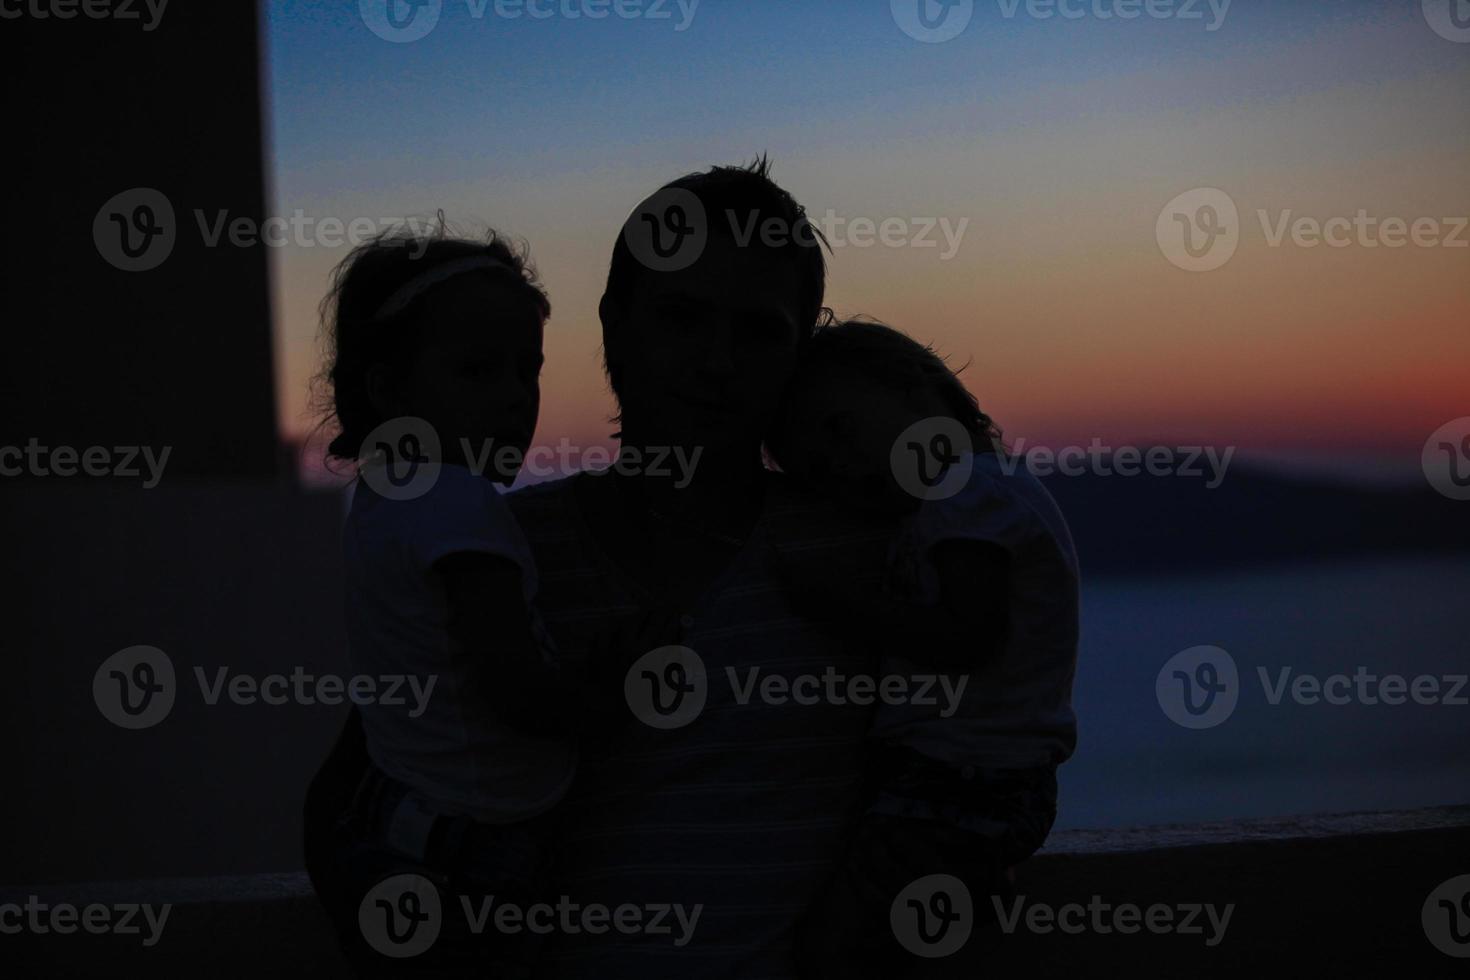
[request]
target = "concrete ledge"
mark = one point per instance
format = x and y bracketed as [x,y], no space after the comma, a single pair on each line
[1240,831]
[1340,894]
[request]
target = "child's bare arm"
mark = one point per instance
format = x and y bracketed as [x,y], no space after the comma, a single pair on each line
[488,615]
[968,625]
[527,690]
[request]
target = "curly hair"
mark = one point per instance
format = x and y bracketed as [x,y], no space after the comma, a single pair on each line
[890,358]
[357,335]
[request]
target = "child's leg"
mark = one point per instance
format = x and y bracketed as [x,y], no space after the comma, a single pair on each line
[924,818]
[472,869]
[497,875]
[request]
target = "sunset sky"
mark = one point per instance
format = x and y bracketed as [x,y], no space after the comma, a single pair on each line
[1056,142]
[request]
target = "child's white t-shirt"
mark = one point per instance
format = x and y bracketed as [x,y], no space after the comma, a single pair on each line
[454,753]
[1016,709]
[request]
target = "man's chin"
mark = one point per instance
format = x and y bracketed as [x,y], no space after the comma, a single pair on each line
[682,428]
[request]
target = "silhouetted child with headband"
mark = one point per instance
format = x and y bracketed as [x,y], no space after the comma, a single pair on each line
[434,364]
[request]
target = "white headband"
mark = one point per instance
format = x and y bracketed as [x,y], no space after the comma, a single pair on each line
[429,278]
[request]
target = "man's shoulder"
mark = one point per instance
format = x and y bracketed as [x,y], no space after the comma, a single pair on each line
[549,518]
[538,497]
[798,519]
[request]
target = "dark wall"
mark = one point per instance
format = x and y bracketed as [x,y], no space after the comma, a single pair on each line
[178,355]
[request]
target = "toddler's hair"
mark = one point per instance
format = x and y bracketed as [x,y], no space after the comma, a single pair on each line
[369,318]
[890,358]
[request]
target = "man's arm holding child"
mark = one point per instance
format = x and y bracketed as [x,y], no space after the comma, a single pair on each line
[925,816]
[967,623]
[525,683]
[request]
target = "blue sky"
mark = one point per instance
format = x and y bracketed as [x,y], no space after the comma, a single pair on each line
[1056,139]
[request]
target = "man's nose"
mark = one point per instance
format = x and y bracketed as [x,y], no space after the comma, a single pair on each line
[718,353]
[513,394]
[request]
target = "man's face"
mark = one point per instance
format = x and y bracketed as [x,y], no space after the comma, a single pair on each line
[705,353]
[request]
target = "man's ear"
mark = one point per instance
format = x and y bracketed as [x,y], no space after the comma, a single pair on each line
[613,322]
